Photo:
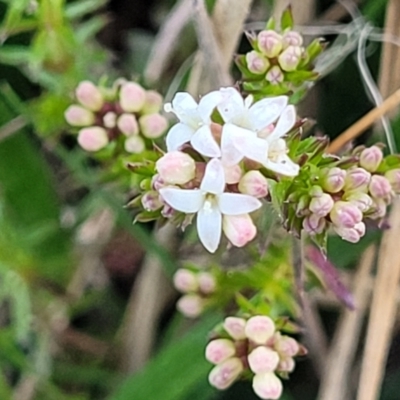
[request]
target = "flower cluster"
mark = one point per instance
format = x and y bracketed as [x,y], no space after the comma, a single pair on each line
[252,346]
[217,159]
[197,287]
[126,115]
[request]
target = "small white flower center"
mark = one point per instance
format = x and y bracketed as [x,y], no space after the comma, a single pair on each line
[209,202]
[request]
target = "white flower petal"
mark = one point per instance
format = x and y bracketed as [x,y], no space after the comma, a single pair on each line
[214,177]
[187,201]
[232,106]
[230,154]
[207,104]
[285,166]
[185,108]
[236,203]
[178,135]
[266,111]
[285,123]
[204,142]
[254,148]
[209,226]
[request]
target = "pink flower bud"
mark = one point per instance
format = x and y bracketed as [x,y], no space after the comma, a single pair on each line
[151,201]
[168,211]
[256,62]
[292,38]
[239,229]
[371,158]
[357,178]
[359,199]
[232,173]
[89,96]
[185,280]
[378,209]
[286,346]
[235,327]
[207,282]
[275,75]
[152,103]
[93,139]
[267,386]
[332,179]
[259,329]
[128,125]
[322,205]
[134,144]
[345,214]
[132,97]
[153,125]
[393,176]
[263,359]
[176,168]
[289,59]
[190,305]
[223,375]
[79,116]
[286,365]
[219,350]
[254,184]
[351,235]
[313,224]
[110,120]
[380,187]
[269,43]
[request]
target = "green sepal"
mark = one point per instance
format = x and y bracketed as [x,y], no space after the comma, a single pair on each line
[298,77]
[252,38]
[145,168]
[321,240]
[287,22]
[314,49]
[135,202]
[389,162]
[147,216]
[271,24]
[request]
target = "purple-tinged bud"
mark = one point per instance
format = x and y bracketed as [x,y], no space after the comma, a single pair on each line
[110,120]
[223,375]
[79,116]
[153,126]
[357,178]
[254,184]
[275,75]
[263,359]
[286,346]
[292,38]
[256,62]
[332,179]
[393,176]
[269,43]
[168,211]
[151,201]
[176,168]
[370,158]
[89,96]
[378,209]
[190,305]
[259,329]
[207,283]
[351,235]
[132,97]
[93,139]
[360,199]
[345,214]
[128,125]
[239,229]
[153,102]
[185,281]
[219,350]
[267,386]
[235,327]
[322,205]
[157,182]
[290,58]
[313,224]
[286,365]
[134,144]
[380,187]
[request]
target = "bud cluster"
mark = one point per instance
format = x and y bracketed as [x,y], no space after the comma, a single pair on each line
[126,115]
[255,347]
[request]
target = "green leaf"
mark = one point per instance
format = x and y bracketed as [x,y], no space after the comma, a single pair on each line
[80,8]
[14,55]
[287,19]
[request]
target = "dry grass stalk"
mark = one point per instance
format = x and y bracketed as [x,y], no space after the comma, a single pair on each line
[337,372]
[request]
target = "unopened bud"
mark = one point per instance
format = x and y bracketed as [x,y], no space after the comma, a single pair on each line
[239,229]
[292,38]
[190,305]
[370,158]
[153,126]
[267,386]
[351,235]
[151,201]
[185,280]
[207,282]
[286,346]
[235,327]
[360,199]
[168,211]
[275,75]
[286,365]
[345,214]
[263,359]
[134,144]
[380,187]
[332,179]
[313,224]
[302,205]
[256,62]
[128,125]
[152,103]
[322,205]
[269,43]
[132,97]
[110,120]
[93,139]
[89,96]
[357,178]
[378,209]
[79,116]
[176,168]
[259,329]
[219,350]
[254,184]
[223,375]
[393,176]
[289,59]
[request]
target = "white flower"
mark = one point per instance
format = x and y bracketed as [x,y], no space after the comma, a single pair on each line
[194,125]
[210,203]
